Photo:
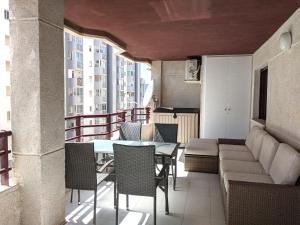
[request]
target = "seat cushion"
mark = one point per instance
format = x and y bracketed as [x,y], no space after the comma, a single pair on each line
[285,168]
[202,147]
[147,132]
[196,142]
[225,147]
[257,142]
[236,155]
[247,177]
[240,167]
[251,136]
[268,150]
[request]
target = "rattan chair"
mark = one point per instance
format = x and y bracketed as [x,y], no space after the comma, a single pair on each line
[167,133]
[130,131]
[81,170]
[135,173]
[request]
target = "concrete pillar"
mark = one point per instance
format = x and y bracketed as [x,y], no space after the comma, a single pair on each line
[156,74]
[111,81]
[37,104]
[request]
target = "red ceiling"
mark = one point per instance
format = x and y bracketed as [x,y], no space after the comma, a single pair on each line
[176,29]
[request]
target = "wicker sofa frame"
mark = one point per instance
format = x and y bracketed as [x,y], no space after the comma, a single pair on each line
[248,203]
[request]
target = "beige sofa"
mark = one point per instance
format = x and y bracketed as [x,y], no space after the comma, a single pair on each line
[258,180]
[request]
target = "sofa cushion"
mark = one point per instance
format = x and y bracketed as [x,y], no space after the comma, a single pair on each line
[202,147]
[247,177]
[285,168]
[147,132]
[257,142]
[225,147]
[268,150]
[194,143]
[240,167]
[251,136]
[236,155]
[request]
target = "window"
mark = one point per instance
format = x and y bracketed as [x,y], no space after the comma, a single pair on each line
[91,122]
[6,14]
[7,40]
[8,115]
[97,92]
[8,91]
[97,107]
[97,63]
[263,90]
[70,55]
[97,50]
[91,108]
[104,107]
[7,66]
[90,48]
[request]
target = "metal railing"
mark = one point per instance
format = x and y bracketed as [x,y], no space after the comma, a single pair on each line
[106,125]
[4,165]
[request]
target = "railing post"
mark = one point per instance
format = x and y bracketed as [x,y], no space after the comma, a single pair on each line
[123,116]
[78,128]
[4,158]
[108,126]
[147,114]
[132,115]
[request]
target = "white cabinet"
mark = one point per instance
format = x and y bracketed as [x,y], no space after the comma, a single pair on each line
[225,97]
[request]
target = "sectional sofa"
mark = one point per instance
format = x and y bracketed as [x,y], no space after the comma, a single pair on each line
[258,180]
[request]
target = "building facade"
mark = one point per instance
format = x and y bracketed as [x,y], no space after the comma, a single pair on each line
[89,65]
[5,64]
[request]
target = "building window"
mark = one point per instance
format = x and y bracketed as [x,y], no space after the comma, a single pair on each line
[8,115]
[97,92]
[90,48]
[104,107]
[7,66]
[97,63]
[97,50]
[8,91]
[7,40]
[6,14]
[91,108]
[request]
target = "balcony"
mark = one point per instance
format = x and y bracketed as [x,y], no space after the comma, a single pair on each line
[247,61]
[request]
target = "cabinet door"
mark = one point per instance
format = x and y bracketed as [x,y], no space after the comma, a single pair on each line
[215,97]
[238,96]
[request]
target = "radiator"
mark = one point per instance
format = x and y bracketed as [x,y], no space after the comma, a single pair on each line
[188,124]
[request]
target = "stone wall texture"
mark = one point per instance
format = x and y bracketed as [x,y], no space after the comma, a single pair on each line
[283,107]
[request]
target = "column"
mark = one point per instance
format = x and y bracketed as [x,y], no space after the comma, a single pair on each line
[38,108]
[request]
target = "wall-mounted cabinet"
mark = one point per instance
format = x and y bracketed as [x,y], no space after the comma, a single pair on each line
[226,94]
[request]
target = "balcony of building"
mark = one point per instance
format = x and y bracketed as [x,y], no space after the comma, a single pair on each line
[226,72]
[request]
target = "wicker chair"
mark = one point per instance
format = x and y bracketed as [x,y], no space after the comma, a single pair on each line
[81,170]
[135,173]
[167,133]
[130,131]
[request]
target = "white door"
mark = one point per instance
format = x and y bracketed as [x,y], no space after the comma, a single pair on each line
[239,95]
[226,97]
[215,97]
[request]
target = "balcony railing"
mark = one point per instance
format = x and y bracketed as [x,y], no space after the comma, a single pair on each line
[108,123]
[4,165]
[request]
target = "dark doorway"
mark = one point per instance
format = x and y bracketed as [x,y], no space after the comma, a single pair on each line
[263,90]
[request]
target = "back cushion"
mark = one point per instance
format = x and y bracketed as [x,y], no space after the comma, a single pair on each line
[268,150]
[257,142]
[285,168]
[250,137]
[147,132]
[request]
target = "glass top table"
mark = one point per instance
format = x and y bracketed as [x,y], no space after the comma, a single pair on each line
[162,149]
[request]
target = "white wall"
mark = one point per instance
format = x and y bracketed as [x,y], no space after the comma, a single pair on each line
[10,207]
[283,107]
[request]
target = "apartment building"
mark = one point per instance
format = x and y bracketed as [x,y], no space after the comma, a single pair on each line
[5,88]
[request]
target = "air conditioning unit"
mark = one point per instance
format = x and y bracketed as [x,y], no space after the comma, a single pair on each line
[192,70]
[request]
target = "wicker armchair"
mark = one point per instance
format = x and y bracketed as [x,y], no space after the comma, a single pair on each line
[130,131]
[167,133]
[135,173]
[81,170]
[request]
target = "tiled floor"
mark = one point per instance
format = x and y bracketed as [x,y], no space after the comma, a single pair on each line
[197,201]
